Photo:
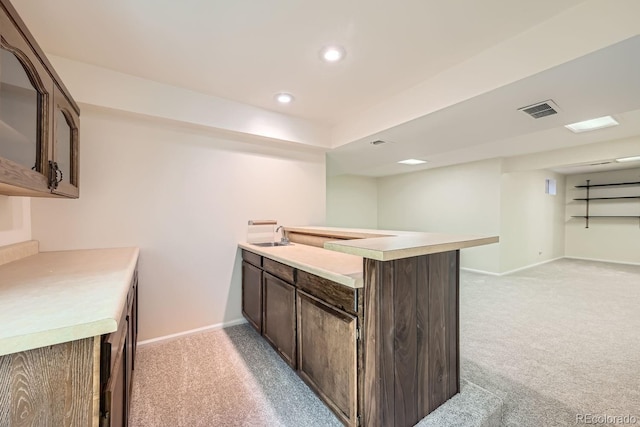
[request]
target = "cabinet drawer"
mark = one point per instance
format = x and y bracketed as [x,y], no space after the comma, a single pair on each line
[282,271]
[252,258]
[340,296]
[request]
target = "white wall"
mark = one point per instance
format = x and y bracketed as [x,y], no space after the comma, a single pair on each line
[184,197]
[461,199]
[352,201]
[15,220]
[124,92]
[607,239]
[532,222]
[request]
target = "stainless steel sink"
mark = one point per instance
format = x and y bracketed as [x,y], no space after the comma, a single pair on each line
[270,244]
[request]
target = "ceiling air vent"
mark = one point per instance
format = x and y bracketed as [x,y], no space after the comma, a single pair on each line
[541,109]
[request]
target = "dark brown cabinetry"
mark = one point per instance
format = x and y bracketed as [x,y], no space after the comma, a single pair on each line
[117,364]
[332,372]
[312,323]
[386,354]
[39,121]
[252,295]
[279,316]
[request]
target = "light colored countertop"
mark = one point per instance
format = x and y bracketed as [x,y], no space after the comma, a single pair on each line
[387,245]
[341,260]
[338,267]
[55,297]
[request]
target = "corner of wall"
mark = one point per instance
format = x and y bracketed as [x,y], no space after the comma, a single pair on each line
[15,220]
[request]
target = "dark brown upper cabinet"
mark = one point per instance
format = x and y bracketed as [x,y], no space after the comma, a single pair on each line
[39,120]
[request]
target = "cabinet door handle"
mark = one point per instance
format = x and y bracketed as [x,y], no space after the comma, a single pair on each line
[54,170]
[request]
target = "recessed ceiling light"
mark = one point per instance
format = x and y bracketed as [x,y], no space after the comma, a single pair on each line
[412,162]
[593,124]
[332,53]
[284,98]
[629,159]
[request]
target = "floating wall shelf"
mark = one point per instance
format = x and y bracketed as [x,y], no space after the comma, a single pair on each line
[588,199]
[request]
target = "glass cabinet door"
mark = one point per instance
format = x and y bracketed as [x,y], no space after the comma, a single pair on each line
[64,173]
[63,146]
[25,88]
[20,107]
[39,120]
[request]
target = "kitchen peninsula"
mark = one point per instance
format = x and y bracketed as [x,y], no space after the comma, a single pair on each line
[369,319]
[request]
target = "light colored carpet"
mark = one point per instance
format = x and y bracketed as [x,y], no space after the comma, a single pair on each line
[552,342]
[229,377]
[472,407]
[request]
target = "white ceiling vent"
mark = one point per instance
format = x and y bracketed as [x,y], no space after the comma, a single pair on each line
[541,109]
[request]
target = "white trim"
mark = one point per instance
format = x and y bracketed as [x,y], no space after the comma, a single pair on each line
[473,270]
[603,260]
[526,267]
[192,332]
[511,271]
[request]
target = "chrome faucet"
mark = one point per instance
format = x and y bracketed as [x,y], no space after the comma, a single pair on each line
[283,240]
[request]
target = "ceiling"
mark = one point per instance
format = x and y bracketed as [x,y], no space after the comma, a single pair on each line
[248,51]
[606,82]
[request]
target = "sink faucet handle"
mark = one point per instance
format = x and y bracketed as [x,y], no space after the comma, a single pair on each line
[284,239]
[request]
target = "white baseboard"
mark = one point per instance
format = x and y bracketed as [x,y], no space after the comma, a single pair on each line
[473,270]
[192,332]
[526,267]
[510,271]
[603,260]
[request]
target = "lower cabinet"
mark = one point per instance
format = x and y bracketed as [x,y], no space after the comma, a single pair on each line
[313,324]
[279,316]
[117,360]
[81,383]
[252,295]
[328,355]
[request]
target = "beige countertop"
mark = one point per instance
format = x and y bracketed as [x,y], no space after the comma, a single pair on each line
[338,267]
[341,260]
[55,297]
[387,245]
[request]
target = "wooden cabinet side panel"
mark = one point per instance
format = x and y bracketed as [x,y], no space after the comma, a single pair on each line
[422,319]
[442,328]
[279,317]
[327,355]
[411,337]
[405,342]
[252,295]
[5,389]
[51,385]
[379,344]
[95,408]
